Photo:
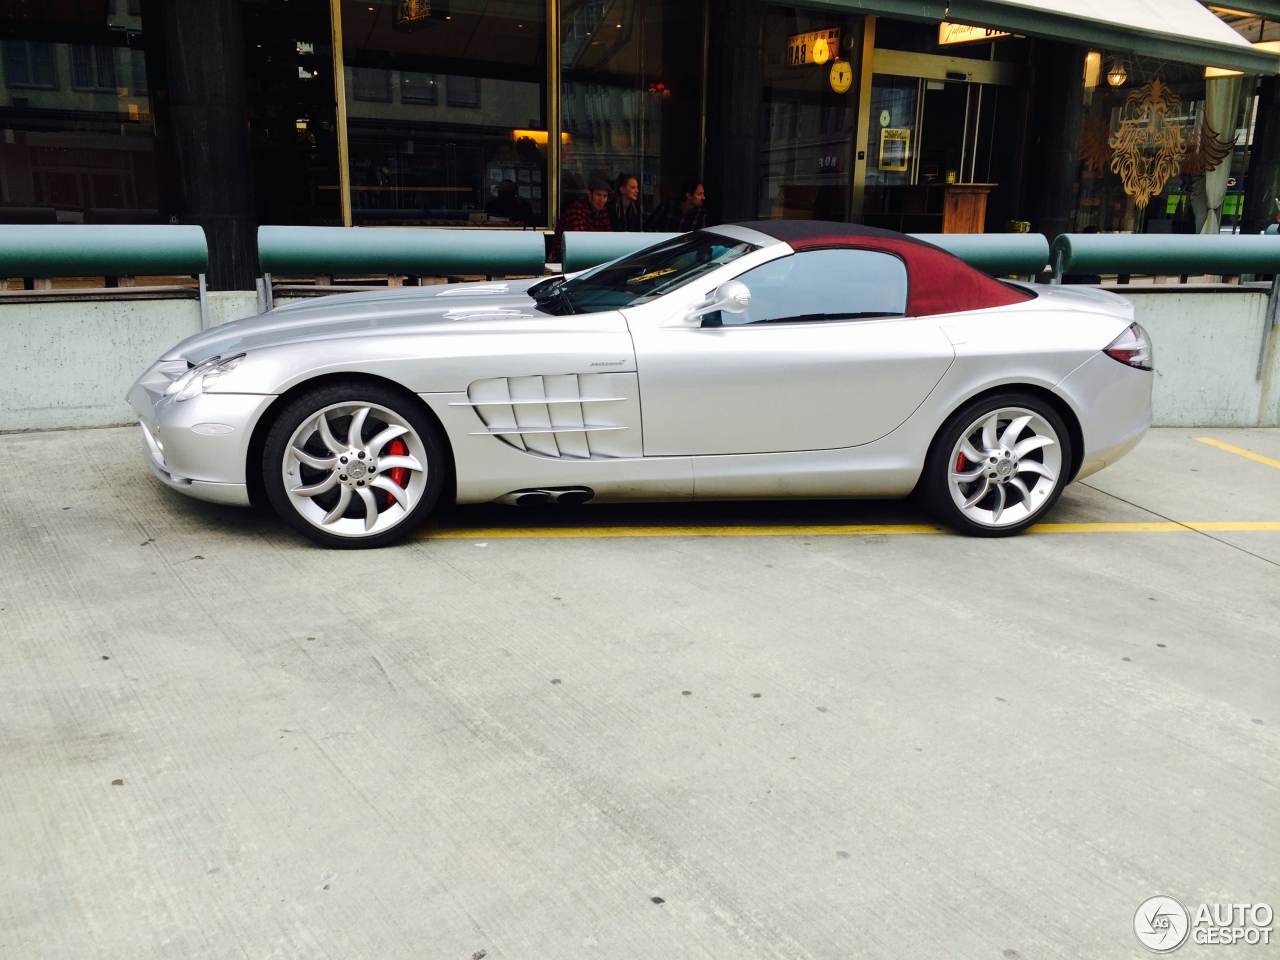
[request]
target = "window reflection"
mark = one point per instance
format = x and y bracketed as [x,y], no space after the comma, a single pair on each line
[632,94]
[79,143]
[822,285]
[30,64]
[446,111]
[292,117]
[807,159]
[423,88]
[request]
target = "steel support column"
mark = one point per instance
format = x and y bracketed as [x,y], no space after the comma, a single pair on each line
[554,121]
[867,56]
[209,130]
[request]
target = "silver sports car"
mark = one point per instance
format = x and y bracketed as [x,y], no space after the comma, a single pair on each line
[770,359]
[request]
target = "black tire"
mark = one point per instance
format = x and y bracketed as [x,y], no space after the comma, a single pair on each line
[1012,511]
[296,433]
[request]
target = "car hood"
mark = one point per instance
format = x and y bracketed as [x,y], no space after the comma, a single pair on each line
[395,310]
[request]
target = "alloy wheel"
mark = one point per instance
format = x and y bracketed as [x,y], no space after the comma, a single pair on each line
[355,469]
[1005,467]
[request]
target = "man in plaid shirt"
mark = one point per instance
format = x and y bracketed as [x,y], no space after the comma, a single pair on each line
[589,214]
[680,215]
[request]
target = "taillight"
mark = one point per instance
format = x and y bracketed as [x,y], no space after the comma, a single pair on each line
[1133,347]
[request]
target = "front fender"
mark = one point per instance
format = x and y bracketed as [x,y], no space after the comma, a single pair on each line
[443,359]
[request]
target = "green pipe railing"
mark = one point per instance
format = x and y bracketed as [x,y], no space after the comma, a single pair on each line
[1163,254]
[45,251]
[65,250]
[413,251]
[101,250]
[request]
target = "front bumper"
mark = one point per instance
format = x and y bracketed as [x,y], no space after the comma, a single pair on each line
[214,491]
[199,446]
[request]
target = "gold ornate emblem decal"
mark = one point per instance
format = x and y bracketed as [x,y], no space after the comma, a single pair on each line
[1094,134]
[1149,143]
[1205,150]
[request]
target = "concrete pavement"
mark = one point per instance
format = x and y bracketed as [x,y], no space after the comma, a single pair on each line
[217,740]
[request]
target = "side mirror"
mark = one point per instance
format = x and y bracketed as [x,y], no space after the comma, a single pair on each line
[732,296]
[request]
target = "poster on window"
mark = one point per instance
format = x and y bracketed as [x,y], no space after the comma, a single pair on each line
[895,143]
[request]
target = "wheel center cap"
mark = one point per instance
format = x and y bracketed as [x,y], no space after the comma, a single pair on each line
[356,470]
[1004,468]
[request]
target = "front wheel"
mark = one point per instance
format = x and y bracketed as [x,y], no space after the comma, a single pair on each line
[353,465]
[997,465]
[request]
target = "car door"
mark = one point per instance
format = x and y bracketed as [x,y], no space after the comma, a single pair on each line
[822,358]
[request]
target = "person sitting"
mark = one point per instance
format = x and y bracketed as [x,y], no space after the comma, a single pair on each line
[680,215]
[624,209]
[588,214]
[510,206]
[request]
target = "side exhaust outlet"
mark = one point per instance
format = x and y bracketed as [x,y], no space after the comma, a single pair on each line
[525,498]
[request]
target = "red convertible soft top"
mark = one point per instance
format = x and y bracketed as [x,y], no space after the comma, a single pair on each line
[938,281]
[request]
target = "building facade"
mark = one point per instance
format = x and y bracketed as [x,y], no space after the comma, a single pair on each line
[497,113]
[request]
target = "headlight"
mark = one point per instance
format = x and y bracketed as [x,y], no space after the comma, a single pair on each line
[202,376]
[1133,347]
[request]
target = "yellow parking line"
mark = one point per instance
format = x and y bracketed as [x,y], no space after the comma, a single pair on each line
[1229,525]
[1240,451]
[508,533]
[1206,526]
[834,530]
[1153,526]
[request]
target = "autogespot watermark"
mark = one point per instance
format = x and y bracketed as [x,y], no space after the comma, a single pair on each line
[1162,924]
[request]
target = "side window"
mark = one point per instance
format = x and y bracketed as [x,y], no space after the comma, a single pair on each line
[824,285]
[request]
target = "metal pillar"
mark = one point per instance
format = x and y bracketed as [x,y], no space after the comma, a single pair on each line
[340,93]
[867,57]
[553,112]
[204,302]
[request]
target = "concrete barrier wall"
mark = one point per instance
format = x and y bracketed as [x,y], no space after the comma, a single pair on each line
[1208,338]
[68,363]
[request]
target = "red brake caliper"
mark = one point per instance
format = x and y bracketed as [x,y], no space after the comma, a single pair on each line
[960,462]
[399,475]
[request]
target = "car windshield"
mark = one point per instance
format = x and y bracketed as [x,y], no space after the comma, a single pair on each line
[641,277]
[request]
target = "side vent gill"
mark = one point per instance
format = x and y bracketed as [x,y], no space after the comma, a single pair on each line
[574,416]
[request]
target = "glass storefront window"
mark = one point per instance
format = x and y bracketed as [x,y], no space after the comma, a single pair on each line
[938,122]
[631,95]
[79,143]
[1152,157]
[893,105]
[807,157]
[293,126]
[926,134]
[446,111]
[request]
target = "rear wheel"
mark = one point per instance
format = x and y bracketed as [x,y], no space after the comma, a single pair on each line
[997,465]
[353,465]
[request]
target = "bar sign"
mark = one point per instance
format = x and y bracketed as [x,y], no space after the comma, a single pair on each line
[817,46]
